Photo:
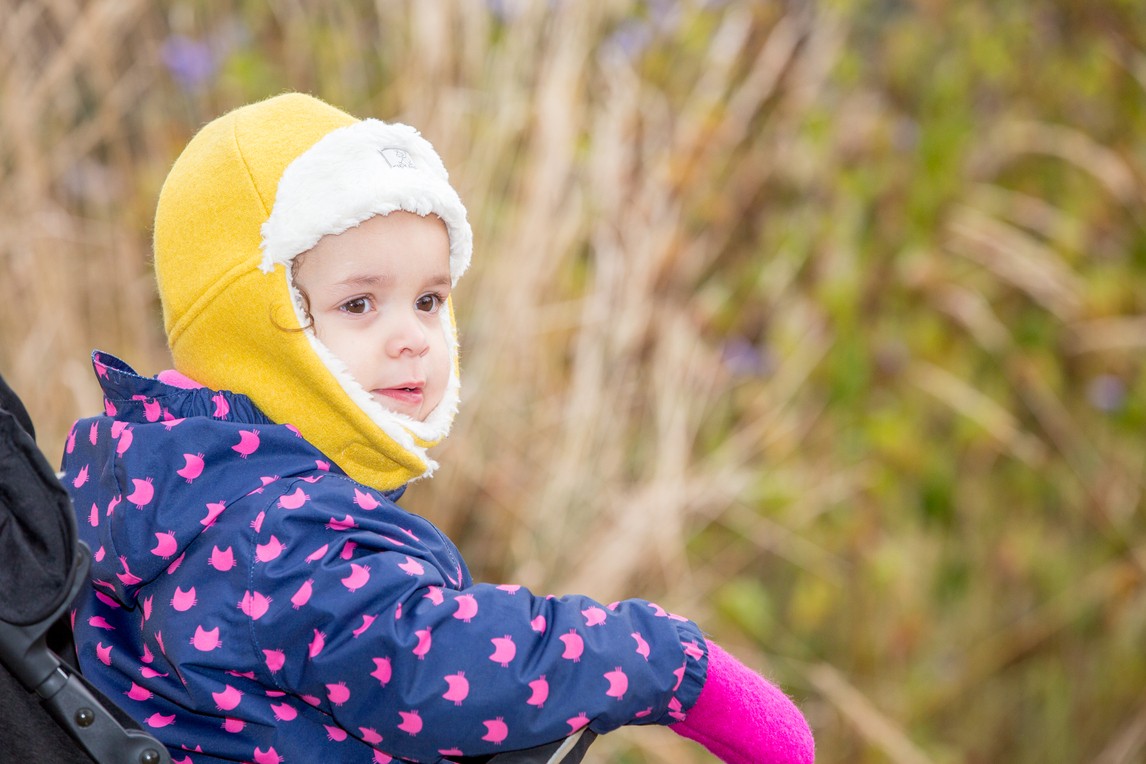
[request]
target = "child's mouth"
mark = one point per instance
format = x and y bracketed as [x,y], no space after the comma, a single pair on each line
[410,396]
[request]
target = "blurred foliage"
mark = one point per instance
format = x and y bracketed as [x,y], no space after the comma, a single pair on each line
[832,314]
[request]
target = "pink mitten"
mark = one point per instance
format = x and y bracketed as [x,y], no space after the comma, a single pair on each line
[744,719]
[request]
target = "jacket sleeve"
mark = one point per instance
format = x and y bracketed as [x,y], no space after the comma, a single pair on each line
[376,624]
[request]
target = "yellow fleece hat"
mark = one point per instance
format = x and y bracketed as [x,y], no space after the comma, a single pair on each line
[255,188]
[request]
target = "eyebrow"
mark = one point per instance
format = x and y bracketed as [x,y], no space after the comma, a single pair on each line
[386,280]
[439,280]
[383,280]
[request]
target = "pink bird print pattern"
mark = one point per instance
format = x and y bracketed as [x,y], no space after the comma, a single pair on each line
[365,501]
[127,577]
[309,547]
[143,493]
[106,599]
[275,660]
[269,756]
[125,440]
[692,649]
[539,692]
[222,560]
[294,499]
[165,545]
[248,443]
[425,642]
[302,596]
[192,468]
[214,509]
[467,607]
[344,524]
[411,722]
[496,731]
[227,699]
[206,640]
[255,604]
[574,646]
[594,616]
[135,692]
[264,481]
[504,650]
[359,577]
[101,622]
[367,620]
[183,601]
[270,550]
[458,688]
[382,670]
[337,693]
[412,567]
[152,410]
[174,566]
[158,720]
[284,712]
[577,722]
[222,407]
[618,683]
[642,645]
[317,554]
[317,644]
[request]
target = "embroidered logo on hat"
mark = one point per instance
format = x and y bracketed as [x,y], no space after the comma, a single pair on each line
[398,158]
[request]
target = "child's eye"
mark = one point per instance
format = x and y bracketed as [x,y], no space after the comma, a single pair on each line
[429,303]
[357,306]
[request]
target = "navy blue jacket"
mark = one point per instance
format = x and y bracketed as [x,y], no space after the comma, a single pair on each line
[251,602]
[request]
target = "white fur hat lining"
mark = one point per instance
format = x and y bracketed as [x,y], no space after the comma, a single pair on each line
[350,175]
[353,173]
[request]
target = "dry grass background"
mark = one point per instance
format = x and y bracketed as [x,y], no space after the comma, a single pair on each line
[822,323]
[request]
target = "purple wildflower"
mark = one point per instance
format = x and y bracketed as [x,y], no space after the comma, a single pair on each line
[191,62]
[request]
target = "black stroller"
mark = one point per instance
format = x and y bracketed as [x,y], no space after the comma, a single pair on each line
[48,712]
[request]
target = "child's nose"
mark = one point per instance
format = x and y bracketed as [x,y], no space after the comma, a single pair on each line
[408,337]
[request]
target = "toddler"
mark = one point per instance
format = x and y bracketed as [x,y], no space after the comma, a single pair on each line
[257,593]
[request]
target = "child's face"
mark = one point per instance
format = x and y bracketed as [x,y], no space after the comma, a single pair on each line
[375,292]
